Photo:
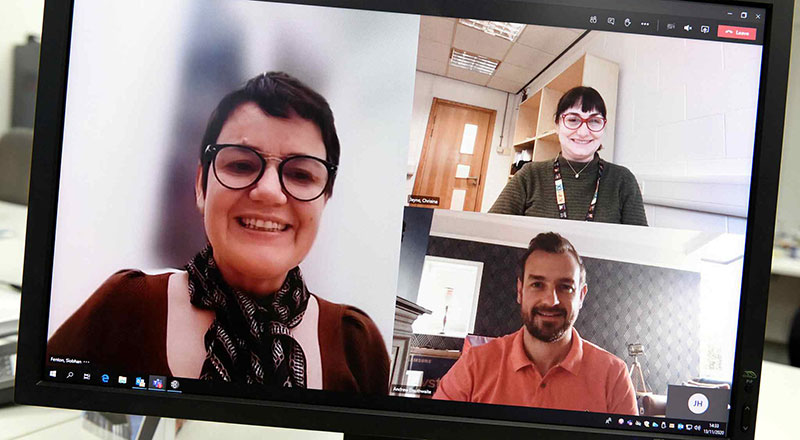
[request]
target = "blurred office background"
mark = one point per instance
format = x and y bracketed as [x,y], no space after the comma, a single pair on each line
[20,30]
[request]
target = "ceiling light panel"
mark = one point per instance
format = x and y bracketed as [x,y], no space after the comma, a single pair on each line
[473,62]
[508,31]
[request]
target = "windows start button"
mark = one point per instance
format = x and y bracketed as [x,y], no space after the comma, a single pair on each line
[739,33]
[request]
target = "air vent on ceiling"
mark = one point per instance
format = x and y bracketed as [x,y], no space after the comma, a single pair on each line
[474,62]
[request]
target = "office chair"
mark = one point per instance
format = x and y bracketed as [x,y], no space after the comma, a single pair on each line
[794,341]
[15,165]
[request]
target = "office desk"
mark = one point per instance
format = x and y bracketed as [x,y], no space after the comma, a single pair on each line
[12,249]
[12,242]
[783,265]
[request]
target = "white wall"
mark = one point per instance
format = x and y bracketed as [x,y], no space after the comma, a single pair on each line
[685,119]
[429,86]
[18,19]
[784,292]
[789,190]
[127,89]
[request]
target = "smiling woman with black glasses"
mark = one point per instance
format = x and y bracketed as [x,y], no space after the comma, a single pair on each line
[577,184]
[239,311]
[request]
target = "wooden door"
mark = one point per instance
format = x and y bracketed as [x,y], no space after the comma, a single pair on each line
[455,154]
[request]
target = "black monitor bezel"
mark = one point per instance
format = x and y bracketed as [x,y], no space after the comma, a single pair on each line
[352,413]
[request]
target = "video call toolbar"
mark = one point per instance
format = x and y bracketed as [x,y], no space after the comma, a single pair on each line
[743,26]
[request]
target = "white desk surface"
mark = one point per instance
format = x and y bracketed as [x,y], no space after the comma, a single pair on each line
[12,249]
[782,265]
[12,241]
[780,388]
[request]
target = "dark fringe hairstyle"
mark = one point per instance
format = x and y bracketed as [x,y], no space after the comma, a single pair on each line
[588,98]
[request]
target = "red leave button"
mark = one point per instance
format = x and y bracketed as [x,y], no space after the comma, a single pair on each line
[740,33]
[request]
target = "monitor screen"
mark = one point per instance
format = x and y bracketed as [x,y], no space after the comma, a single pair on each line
[529,214]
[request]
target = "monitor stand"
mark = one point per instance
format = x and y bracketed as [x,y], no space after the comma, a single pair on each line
[149,426]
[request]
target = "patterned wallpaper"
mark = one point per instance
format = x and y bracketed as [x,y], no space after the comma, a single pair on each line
[437,342]
[626,303]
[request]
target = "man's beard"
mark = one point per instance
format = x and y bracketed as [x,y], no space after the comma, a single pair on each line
[548,330]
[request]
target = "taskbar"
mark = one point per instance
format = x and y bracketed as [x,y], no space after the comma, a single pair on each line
[150,383]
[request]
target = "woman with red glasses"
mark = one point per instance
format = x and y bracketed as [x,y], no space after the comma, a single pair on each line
[578,184]
[240,311]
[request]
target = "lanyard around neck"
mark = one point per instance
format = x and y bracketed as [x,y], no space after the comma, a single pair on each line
[561,198]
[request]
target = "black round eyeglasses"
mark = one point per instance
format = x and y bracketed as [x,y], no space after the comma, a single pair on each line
[304,178]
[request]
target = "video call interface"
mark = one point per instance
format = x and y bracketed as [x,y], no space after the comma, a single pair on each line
[542,215]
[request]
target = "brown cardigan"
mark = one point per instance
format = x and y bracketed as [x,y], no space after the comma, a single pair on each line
[123,327]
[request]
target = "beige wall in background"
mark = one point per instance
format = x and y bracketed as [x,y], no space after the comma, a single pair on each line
[789,193]
[18,19]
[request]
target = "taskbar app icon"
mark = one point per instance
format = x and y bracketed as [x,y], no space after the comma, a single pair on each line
[158,383]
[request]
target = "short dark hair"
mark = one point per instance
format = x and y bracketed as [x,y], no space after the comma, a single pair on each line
[587,97]
[280,95]
[553,243]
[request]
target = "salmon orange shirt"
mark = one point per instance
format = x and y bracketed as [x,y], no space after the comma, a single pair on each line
[499,372]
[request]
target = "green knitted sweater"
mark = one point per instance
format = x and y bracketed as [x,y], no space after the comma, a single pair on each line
[532,192]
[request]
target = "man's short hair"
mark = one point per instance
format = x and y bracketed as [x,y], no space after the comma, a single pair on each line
[279,95]
[553,243]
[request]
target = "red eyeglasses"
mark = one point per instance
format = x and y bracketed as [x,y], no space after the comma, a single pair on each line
[573,121]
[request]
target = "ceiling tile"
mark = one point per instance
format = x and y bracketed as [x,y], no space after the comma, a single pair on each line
[431,66]
[432,50]
[515,73]
[468,75]
[528,57]
[548,39]
[505,85]
[438,29]
[480,43]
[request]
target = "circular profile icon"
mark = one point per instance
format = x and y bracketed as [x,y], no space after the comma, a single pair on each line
[698,403]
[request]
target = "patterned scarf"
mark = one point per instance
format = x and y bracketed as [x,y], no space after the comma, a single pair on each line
[249,339]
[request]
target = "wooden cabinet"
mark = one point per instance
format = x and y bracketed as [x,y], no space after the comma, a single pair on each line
[535,136]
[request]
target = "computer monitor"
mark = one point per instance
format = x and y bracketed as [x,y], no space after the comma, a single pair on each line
[430,219]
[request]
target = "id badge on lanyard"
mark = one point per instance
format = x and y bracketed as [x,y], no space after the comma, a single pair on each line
[561,198]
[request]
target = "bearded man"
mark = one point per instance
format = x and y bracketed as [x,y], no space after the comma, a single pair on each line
[545,363]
